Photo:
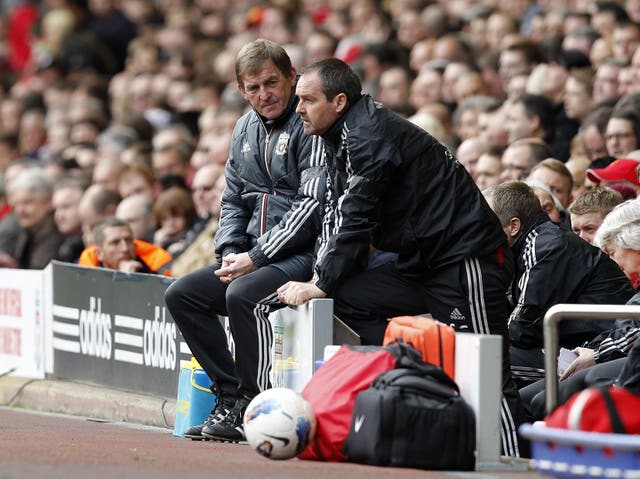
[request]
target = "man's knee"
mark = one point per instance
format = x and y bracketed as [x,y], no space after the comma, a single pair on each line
[174,293]
[538,407]
[242,289]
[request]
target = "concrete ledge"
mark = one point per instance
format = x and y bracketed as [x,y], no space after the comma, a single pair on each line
[85,400]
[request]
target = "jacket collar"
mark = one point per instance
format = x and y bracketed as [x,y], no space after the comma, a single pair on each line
[537,221]
[333,135]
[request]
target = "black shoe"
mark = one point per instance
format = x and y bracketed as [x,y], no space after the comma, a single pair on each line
[217,413]
[229,428]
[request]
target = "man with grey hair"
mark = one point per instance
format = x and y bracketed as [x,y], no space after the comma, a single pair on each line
[115,139]
[270,220]
[38,238]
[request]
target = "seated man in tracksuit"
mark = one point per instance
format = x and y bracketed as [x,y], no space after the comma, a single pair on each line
[600,361]
[552,266]
[270,219]
[115,248]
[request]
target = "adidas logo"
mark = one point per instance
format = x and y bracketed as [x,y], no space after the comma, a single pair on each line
[245,148]
[456,315]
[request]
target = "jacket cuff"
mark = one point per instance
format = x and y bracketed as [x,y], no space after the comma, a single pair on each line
[258,257]
[326,287]
[229,250]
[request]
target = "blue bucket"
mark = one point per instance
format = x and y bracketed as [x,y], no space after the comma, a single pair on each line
[195,399]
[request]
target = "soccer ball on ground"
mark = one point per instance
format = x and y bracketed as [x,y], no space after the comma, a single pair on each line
[279,423]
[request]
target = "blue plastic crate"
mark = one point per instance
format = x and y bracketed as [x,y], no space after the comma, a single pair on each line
[576,454]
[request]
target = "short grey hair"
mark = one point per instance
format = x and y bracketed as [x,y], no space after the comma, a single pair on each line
[35,180]
[621,227]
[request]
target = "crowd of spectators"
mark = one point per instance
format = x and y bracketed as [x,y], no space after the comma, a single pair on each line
[139,96]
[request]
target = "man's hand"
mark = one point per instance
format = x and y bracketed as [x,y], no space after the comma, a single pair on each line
[583,361]
[234,266]
[129,266]
[7,261]
[295,293]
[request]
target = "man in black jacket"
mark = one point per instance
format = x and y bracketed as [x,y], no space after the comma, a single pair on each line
[270,219]
[552,266]
[393,186]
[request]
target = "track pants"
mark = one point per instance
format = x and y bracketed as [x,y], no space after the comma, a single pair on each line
[469,295]
[534,395]
[196,300]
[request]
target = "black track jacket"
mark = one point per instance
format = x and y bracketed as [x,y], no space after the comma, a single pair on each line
[392,185]
[555,266]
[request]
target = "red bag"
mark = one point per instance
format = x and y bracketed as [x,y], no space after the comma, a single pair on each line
[333,388]
[611,409]
[435,340]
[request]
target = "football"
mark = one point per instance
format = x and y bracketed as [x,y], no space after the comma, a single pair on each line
[279,423]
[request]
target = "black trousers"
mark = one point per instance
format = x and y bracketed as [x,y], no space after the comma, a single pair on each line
[534,398]
[527,365]
[469,295]
[196,300]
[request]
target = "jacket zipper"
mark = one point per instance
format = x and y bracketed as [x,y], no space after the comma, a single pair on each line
[263,213]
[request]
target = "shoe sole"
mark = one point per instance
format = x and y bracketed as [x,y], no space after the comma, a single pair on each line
[196,438]
[223,439]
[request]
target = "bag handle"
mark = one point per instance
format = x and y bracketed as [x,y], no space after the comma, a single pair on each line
[410,360]
[614,417]
[413,379]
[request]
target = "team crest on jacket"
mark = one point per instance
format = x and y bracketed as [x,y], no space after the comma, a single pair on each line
[283,143]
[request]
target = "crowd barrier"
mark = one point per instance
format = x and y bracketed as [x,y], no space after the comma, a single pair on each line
[112,328]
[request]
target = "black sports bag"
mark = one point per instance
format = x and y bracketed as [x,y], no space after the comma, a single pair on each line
[412,418]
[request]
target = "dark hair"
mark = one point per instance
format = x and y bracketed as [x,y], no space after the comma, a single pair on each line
[514,199]
[337,77]
[619,13]
[540,106]
[531,50]
[10,140]
[630,101]
[630,116]
[175,201]
[109,222]
[599,118]
[538,149]
[183,149]
[103,198]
